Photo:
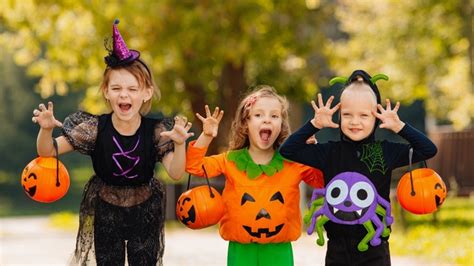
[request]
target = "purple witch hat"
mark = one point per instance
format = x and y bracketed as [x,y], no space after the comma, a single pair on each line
[119,54]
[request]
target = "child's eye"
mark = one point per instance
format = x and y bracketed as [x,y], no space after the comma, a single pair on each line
[257,115]
[275,116]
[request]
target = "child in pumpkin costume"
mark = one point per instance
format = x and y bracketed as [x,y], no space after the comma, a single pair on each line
[357,156]
[261,193]
[123,206]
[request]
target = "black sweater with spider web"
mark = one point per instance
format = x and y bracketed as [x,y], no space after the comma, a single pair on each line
[373,159]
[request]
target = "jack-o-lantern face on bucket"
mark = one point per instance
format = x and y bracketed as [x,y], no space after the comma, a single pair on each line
[199,208]
[29,183]
[440,192]
[425,194]
[185,210]
[42,181]
[263,218]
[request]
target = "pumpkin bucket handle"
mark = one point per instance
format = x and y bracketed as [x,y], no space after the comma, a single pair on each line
[55,144]
[207,180]
[410,168]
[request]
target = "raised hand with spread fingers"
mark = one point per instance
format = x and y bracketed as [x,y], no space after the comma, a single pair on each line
[45,117]
[323,113]
[389,117]
[179,134]
[175,161]
[210,123]
[210,126]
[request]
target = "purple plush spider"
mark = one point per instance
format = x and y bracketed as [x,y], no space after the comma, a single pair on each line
[350,198]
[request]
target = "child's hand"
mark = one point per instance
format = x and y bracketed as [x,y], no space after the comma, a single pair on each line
[312,140]
[389,117]
[45,117]
[210,124]
[323,113]
[179,134]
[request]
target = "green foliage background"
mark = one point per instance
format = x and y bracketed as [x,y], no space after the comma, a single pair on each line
[212,51]
[424,46]
[444,238]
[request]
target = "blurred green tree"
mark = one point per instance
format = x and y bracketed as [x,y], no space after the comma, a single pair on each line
[201,51]
[425,47]
[16,138]
[18,133]
[211,51]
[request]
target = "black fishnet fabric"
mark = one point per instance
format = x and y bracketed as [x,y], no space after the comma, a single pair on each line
[153,212]
[163,145]
[147,200]
[80,130]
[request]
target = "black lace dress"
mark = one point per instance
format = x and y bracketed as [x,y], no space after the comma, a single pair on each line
[123,205]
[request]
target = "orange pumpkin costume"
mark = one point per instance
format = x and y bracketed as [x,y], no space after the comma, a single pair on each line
[263,208]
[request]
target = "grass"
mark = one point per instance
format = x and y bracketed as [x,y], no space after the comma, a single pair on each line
[67,221]
[446,238]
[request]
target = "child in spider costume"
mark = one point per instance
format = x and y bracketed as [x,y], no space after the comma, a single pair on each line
[357,169]
[123,207]
[351,199]
[261,193]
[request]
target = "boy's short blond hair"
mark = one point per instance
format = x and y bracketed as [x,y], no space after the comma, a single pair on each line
[359,86]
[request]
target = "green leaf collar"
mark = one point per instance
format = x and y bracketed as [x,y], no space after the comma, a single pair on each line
[245,163]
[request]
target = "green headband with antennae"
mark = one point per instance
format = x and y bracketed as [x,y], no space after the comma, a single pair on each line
[344,80]
[377,77]
[338,80]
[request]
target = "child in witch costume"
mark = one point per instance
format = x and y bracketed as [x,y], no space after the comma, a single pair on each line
[123,207]
[261,193]
[357,169]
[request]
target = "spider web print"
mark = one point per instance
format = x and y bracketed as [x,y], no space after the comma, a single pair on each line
[372,156]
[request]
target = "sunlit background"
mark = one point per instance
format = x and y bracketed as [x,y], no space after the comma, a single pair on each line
[212,51]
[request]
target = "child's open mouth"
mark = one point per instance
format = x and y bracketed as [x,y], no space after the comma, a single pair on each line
[355,130]
[265,134]
[125,107]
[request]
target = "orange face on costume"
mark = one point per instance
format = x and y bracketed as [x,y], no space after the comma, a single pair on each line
[259,215]
[261,210]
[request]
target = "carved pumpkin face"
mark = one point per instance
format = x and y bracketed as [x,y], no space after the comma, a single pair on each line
[41,182]
[261,218]
[427,195]
[197,208]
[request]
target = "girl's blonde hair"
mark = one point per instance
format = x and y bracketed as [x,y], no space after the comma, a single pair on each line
[141,72]
[239,131]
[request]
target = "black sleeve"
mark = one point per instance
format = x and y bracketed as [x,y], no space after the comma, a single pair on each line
[423,148]
[80,130]
[296,149]
[163,145]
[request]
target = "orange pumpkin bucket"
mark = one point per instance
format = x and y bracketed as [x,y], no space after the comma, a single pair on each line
[45,179]
[200,207]
[421,191]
